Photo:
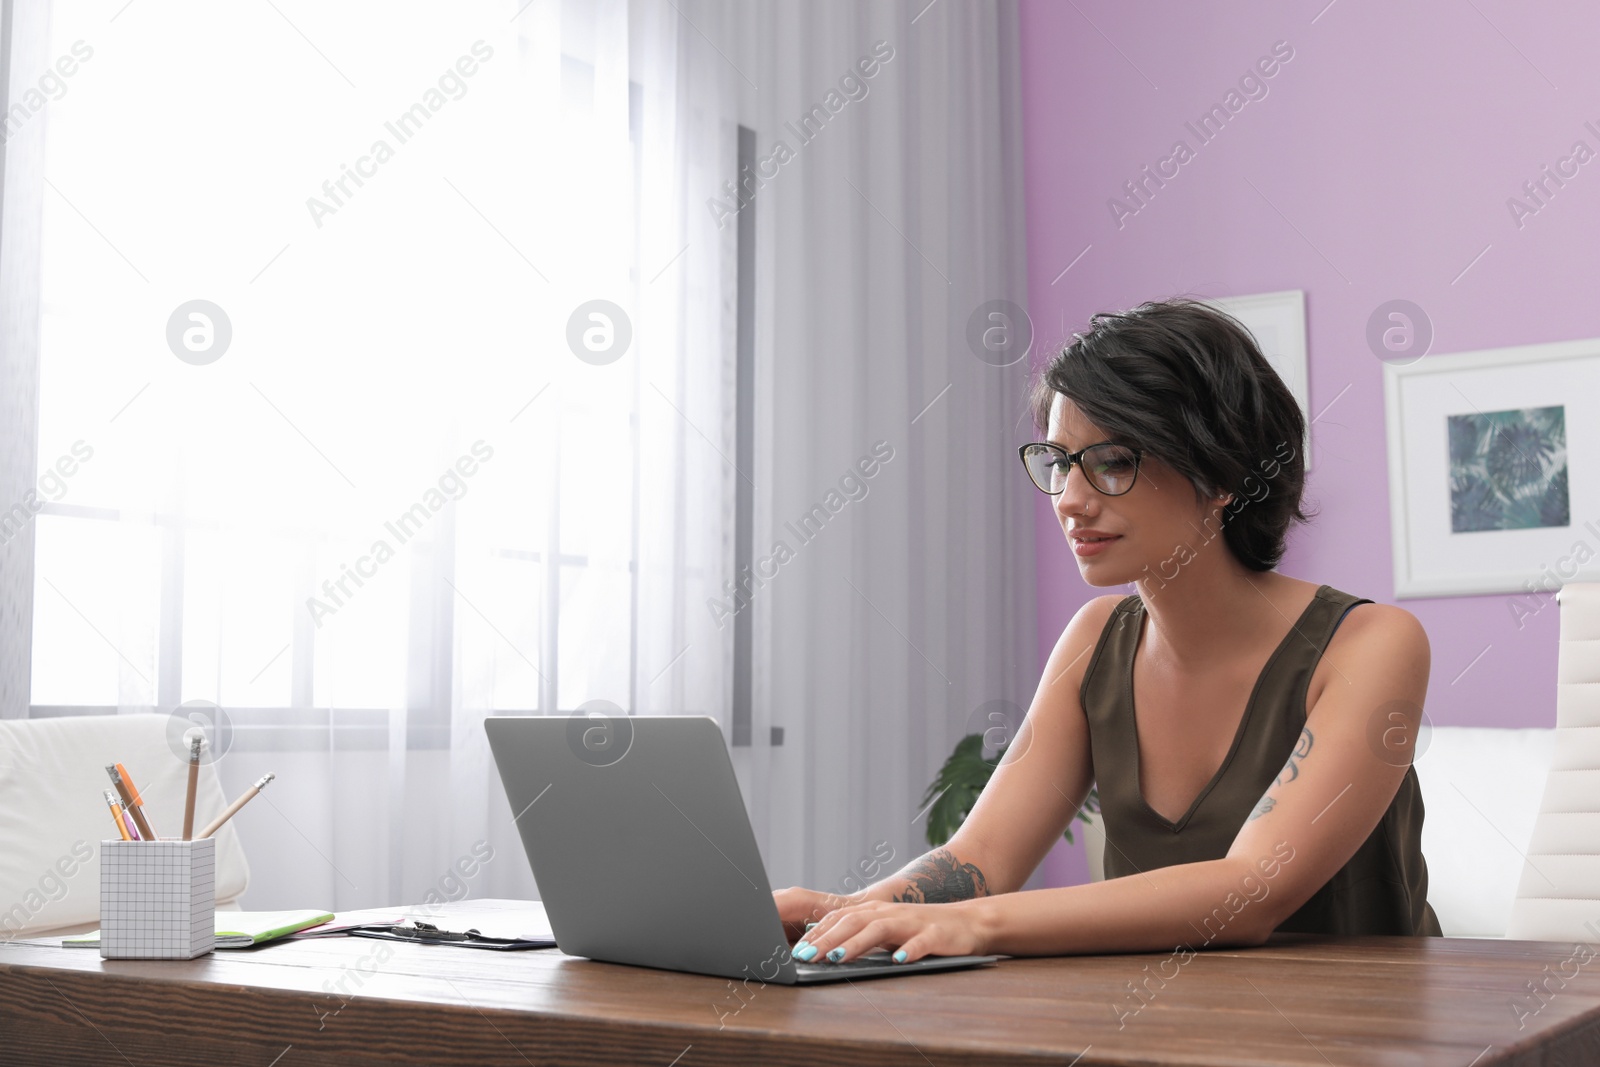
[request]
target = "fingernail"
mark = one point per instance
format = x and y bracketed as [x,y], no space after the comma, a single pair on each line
[802,943]
[809,926]
[837,954]
[899,955]
[805,954]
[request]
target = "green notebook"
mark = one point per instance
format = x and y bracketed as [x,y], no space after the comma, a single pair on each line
[237,929]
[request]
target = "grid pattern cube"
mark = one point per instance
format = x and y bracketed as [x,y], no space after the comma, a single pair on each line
[157,899]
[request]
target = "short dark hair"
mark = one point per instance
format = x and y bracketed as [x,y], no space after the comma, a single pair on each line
[1188,384]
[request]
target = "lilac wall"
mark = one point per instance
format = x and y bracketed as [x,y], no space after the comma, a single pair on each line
[1377,166]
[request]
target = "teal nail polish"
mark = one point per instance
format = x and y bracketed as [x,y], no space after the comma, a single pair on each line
[802,943]
[899,955]
[837,954]
[806,954]
[809,926]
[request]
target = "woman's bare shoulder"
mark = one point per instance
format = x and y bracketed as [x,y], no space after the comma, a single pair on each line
[1070,658]
[1091,619]
[1372,621]
[1372,633]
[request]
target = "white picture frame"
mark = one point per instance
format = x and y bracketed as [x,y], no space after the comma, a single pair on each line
[1278,323]
[1434,484]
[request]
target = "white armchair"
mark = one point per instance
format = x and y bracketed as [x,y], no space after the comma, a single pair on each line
[53,814]
[1559,895]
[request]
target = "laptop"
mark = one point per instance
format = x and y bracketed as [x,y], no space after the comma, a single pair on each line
[642,849]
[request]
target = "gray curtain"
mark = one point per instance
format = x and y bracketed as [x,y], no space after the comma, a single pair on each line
[889,216]
[24,26]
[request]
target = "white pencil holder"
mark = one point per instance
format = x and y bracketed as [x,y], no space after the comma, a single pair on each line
[157,899]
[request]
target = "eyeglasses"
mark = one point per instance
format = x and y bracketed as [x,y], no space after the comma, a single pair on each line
[1110,468]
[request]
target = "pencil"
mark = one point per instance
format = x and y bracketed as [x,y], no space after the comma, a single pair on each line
[130,800]
[116,813]
[194,783]
[245,798]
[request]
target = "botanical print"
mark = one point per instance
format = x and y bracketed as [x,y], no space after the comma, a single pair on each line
[1508,469]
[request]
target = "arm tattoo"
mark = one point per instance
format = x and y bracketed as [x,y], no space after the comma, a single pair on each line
[939,878]
[1291,770]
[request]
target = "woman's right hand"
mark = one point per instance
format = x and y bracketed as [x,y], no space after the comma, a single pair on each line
[797,907]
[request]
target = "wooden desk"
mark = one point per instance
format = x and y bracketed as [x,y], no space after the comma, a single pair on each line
[1310,1002]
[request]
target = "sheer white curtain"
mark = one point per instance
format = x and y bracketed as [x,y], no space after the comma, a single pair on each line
[556,527]
[423,482]
[888,194]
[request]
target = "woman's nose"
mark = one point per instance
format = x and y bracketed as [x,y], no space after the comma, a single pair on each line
[1075,493]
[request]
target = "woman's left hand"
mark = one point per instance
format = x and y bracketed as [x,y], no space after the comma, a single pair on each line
[916,930]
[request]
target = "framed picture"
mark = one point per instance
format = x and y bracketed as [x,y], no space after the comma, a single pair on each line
[1278,323]
[1494,470]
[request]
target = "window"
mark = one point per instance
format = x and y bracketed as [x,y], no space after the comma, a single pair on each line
[395,488]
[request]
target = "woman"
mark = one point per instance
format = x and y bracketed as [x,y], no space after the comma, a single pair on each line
[1265,782]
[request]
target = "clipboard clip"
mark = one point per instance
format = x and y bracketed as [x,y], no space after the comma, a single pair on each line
[425,933]
[422,931]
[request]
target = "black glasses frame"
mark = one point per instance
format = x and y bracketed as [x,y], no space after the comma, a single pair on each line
[1076,458]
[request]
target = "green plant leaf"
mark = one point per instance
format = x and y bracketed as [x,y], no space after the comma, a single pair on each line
[955,789]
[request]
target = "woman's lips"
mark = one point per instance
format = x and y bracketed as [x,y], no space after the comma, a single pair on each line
[1084,547]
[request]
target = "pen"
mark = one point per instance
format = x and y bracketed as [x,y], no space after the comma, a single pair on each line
[130,800]
[216,824]
[116,813]
[194,781]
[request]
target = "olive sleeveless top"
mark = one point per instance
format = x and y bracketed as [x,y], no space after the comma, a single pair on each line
[1383,889]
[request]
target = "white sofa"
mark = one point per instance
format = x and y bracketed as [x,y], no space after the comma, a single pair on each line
[1480,794]
[52,796]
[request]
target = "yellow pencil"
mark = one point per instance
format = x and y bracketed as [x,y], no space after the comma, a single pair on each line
[116,813]
[130,801]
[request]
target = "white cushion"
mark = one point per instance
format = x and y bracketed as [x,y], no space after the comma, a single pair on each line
[1094,845]
[53,813]
[1480,794]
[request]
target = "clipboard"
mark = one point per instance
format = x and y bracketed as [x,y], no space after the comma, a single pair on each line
[424,933]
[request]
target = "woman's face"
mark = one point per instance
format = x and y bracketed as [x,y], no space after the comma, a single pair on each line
[1156,527]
